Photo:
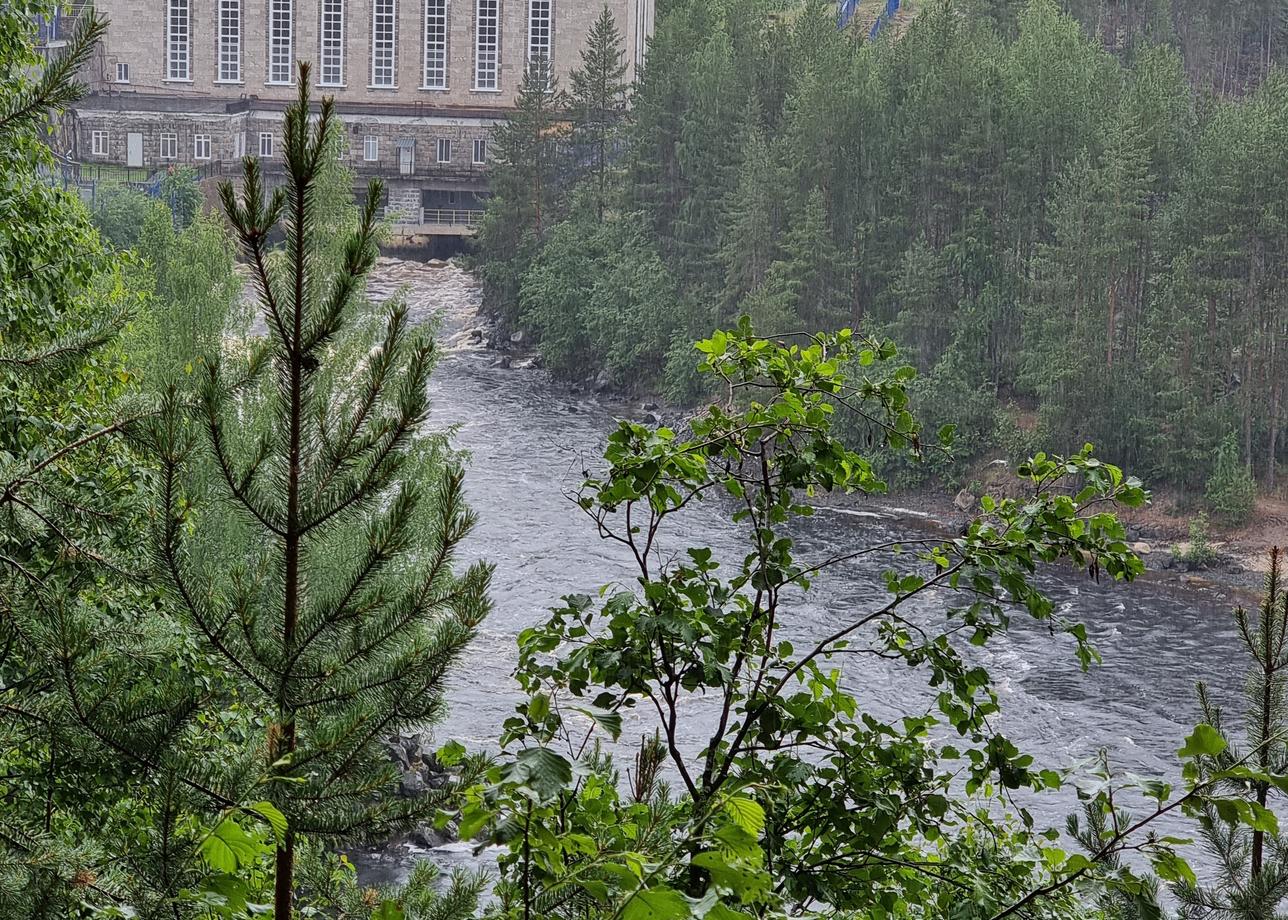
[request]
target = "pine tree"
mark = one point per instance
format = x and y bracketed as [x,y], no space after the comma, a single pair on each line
[1252,881]
[598,98]
[306,522]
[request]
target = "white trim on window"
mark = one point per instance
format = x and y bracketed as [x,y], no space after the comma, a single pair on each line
[281,39]
[444,150]
[540,31]
[384,43]
[122,72]
[487,45]
[331,44]
[434,74]
[179,41]
[265,143]
[371,148]
[98,142]
[169,146]
[201,146]
[480,151]
[229,55]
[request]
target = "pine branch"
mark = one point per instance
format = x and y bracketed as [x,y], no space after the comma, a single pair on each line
[57,87]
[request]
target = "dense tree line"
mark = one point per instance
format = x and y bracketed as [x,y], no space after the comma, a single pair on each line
[1074,242]
[227,572]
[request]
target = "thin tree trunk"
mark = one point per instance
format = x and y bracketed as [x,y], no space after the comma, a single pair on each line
[284,881]
[1272,448]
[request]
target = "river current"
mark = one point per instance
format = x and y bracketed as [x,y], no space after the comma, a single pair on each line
[528,441]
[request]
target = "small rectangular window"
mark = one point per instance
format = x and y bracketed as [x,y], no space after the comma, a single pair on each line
[169,146]
[265,144]
[371,148]
[444,150]
[98,141]
[201,146]
[122,72]
[480,151]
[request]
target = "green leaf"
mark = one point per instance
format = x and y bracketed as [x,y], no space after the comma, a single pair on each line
[1204,741]
[450,754]
[746,813]
[610,722]
[656,904]
[228,847]
[541,770]
[276,820]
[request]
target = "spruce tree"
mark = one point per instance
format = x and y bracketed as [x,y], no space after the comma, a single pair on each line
[524,176]
[598,91]
[308,524]
[1252,878]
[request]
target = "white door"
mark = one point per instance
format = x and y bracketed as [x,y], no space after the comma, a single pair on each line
[406,159]
[133,149]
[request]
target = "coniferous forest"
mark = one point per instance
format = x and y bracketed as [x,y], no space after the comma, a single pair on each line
[1069,216]
[241,582]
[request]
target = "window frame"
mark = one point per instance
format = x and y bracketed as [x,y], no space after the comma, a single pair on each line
[540,33]
[99,142]
[371,144]
[384,47]
[434,57]
[265,136]
[228,53]
[281,43]
[178,41]
[168,139]
[122,67]
[487,51]
[197,141]
[331,46]
[444,144]
[479,154]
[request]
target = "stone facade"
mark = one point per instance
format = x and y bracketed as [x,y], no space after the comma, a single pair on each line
[435,145]
[141,114]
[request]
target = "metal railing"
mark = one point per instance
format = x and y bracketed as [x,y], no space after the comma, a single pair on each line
[452,216]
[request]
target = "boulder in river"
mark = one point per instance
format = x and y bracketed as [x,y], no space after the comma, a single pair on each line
[965,501]
[516,337]
[603,381]
[1141,548]
[430,837]
[476,336]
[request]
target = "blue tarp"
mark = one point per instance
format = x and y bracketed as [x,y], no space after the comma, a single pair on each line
[844,11]
[892,7]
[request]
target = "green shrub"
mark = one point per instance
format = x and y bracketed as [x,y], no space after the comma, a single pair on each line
[1198,554]
[1231,492]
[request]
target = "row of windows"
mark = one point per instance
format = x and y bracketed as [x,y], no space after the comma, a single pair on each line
[384,42]
[169,147]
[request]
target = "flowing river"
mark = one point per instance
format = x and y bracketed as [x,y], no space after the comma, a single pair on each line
[528,441]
